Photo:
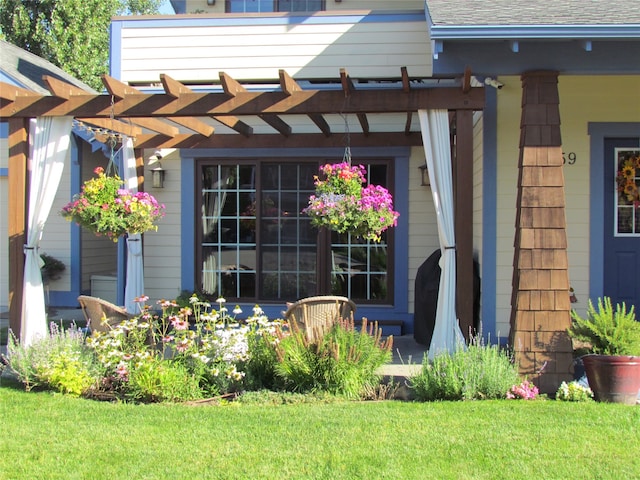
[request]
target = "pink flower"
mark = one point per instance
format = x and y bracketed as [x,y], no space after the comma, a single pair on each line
[179,323]
[182,345]
[122,371]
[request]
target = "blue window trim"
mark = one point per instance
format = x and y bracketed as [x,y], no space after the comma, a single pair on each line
[70,297]
[399,309]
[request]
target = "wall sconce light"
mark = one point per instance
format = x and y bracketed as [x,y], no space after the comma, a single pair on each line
[424,176]
[211,2]
[157,172]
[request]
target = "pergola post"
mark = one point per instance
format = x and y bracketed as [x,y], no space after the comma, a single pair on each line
[463,195]
[18,177]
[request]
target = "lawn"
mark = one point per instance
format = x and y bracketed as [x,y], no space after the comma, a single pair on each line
[51,436]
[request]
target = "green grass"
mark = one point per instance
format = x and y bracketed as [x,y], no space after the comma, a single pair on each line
[47,436]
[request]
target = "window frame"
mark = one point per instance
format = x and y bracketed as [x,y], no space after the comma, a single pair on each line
[276,7]
[324,245]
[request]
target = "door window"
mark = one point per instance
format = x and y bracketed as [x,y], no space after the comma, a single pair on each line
[627,196]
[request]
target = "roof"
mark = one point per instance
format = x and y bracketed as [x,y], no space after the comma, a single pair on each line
[540,12]
[25,69]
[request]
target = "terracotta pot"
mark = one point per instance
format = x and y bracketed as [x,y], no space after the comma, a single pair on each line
[613,378]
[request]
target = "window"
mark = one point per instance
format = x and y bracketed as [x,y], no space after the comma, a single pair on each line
[254,244]
[262,6]
[627,196]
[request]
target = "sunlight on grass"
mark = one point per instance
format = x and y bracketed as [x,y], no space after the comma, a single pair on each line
[53,436]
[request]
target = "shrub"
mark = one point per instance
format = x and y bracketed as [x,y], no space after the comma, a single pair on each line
[607,331]
[60,361]
[156,380]
[476,372]
[574,392]
[343,362]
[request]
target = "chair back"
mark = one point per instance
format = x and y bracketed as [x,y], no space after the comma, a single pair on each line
[100,314]
[316,315]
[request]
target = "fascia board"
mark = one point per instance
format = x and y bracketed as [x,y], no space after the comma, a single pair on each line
[501,32]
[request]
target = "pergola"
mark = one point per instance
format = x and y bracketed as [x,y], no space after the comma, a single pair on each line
[182,117]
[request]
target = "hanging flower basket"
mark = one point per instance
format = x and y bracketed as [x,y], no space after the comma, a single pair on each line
[342,204]
[105,208]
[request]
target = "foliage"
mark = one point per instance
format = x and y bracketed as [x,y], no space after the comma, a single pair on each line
[52,267]
[574,392]
[608,331]
[524,391]
[105,208]
[156,380]
[72,34]
[476,372]
[60,361]
[342,204]
[205,349]
[343,362]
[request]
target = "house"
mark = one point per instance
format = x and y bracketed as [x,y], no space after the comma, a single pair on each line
[534,176]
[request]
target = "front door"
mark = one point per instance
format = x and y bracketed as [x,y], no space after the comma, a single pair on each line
[622,221]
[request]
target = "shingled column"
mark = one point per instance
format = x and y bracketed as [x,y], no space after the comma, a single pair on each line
[540,307]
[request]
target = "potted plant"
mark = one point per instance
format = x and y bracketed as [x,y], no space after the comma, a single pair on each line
[613,338]
[341,203]
[51,269]
[106,208]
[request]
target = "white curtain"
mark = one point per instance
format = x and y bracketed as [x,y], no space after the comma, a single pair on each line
[48,149]
[212,206]
[434,124]
[134,283]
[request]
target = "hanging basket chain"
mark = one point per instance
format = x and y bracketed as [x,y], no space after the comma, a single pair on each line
[112,168]
[347,149]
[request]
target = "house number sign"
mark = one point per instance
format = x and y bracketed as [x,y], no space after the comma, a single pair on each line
[569,158]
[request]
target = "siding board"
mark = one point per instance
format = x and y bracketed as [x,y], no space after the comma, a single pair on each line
[370,45]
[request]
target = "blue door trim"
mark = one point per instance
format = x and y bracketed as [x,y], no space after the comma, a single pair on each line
[598,131]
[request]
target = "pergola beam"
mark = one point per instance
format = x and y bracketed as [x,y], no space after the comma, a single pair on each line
[318,140]
[199,104]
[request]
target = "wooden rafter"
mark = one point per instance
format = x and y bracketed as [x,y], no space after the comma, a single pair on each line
[119,91]
[406,88]
[348,88]
[175,89]
[233,88]
[289,85]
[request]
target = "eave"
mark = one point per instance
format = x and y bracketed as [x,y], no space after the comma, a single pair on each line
[548,32]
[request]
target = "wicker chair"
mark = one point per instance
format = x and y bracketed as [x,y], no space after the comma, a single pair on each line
[315,315]
[100,314]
